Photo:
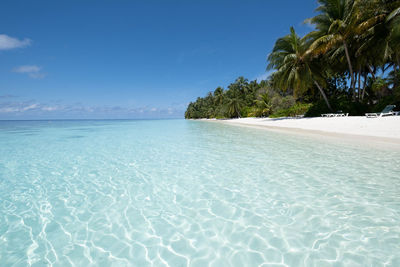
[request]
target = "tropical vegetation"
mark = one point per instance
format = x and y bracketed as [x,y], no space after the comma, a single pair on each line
[349,62]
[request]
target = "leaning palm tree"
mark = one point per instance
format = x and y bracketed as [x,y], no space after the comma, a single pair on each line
[377,36]
[294,68]
[335,26]
[373,43]
[393,19]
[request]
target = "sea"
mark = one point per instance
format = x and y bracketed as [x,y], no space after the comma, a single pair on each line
[193,193]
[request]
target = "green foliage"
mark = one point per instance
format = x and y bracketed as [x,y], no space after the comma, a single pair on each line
[246,111]
[388,100]
[316,109]
[293,111]
[278,102]
[340,104]
[263,106]
[379,86]
[335,67]
[237,101]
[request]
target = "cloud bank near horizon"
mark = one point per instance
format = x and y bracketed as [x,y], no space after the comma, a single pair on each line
[33,110]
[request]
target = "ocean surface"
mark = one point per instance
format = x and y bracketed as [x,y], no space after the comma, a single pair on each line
[192,193]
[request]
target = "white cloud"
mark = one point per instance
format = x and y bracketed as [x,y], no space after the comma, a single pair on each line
[49,108]
[32,70]
[8,109]
[263,76]
[7,42]
[17,107]
[34,109]
[33,106]
[27,69]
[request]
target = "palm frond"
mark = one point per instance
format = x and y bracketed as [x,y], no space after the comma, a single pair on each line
[393,14]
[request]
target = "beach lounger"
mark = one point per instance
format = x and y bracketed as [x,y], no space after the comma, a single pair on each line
[387,111]
[338,114]
[341,114]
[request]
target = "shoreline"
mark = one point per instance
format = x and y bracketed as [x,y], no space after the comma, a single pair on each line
[372,131]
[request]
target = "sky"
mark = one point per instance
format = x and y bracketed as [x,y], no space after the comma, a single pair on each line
[133,59]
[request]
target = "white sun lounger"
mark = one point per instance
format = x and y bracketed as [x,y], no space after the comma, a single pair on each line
[387,111]
[339,114]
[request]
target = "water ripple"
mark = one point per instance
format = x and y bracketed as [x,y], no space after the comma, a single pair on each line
[178,193]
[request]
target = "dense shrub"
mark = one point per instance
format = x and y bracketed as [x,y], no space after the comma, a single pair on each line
[340,104]
[295,110]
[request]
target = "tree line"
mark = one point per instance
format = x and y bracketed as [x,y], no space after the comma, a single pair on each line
[349,62]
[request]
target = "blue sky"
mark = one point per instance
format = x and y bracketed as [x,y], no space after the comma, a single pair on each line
[132,59]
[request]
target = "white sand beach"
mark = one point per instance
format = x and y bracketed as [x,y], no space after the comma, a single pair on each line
[384,127]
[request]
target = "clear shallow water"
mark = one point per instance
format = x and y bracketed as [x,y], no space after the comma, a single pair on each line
[178,193]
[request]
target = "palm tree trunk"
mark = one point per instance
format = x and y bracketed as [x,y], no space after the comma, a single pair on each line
[237,111]
[372,72]
[355,86]
[323,95]
[346,50]
[365,84]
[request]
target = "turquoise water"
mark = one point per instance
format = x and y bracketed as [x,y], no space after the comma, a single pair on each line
[189,193]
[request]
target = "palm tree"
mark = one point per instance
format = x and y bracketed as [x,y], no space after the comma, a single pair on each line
[335,25]
[234,100]
[377,36]
[189,113]
[240,85]
[263,104]
[234,106]
[295,69]
[251,90]
[219,95]
[395,10]
[393,19]
[394,77]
